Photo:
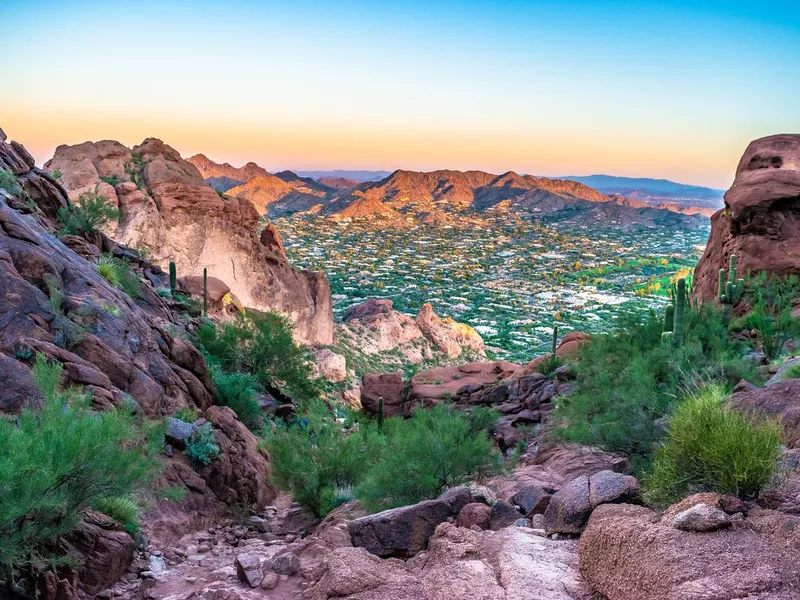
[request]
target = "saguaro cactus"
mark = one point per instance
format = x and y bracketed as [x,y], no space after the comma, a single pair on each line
[205,292]
[669,318]
[173,278]
[680,311]
[730,291]
[380,414]
[555,341]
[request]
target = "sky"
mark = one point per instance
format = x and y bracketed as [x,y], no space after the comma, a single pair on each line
[659,89]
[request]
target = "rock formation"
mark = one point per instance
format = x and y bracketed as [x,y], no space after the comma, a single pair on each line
[760,223]
[167,209]
[374,327]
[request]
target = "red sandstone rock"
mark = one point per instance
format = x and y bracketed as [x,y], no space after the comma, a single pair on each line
[760,223]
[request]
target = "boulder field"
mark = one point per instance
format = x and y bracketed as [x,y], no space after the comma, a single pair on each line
[167,209]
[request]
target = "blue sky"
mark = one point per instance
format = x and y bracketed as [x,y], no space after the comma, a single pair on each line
[663,89]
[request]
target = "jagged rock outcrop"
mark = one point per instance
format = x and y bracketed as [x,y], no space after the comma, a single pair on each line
[166,207]
[374,327]
[108,342]
[760,223]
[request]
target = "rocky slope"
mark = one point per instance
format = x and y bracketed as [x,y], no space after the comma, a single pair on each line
[760,223]
[123,350]
[167,209]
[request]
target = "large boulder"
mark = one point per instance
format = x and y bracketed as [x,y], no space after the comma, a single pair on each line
[387,386]
[171,211]
[760,223]
[404,531]
[627,553]
[459,563]
[102,550]
[569,509]
[780,401]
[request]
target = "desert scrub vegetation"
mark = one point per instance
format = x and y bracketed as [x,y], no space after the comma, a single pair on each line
[324,462]
[58,460]
[770,314]
[629,380]
[260,345]
[710,447]
[201,447]
[8,181]
[86,215]
[119,274]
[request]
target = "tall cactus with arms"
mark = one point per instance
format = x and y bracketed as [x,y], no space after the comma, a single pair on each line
[730,291]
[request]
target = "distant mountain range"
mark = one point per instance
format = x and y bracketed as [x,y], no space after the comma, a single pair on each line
[645,188]
[355,175]
[444,197]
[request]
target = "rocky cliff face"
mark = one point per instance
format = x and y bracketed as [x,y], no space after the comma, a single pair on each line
[166,207]
[760,223]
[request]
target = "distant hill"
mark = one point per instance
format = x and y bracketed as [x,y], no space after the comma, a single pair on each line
[208,168]
[645,188]
[355,175]
[448,197]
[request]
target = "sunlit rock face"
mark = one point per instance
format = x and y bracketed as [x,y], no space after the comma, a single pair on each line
[166,207]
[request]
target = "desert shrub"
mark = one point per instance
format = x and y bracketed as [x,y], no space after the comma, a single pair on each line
[792,372]
[771,311]
[119,274]
[628,380]
[8,181]
[111,180]
[87,215]
[313,458]
[123,510]
[711,447]
[239,392]
[187,414]
[201,446]
[56,174]
[420,457]
[59,460]
[261,344]
[107,267]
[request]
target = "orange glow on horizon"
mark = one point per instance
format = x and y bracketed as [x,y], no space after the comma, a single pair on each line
[313,146]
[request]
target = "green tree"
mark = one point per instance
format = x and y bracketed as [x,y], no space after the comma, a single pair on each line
[58,460]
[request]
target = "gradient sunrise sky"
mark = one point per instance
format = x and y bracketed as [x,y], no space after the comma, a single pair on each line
[661,89]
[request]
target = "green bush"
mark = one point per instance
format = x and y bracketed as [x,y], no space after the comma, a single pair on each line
[408,460]
[629,380]
[187,414]
[59,460]
[111,180]
[201,446]
[238,391]
[710,447]
[123,510]
[8,181]
[261,344]
[313,458]
[434,450]
[86,216]
[119,274]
